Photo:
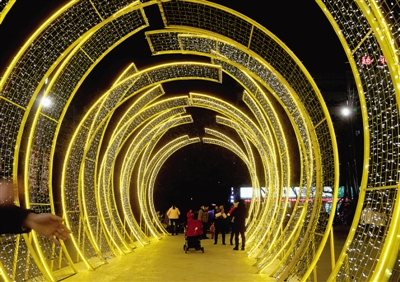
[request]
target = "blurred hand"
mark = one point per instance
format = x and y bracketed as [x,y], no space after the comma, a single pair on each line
[48,225]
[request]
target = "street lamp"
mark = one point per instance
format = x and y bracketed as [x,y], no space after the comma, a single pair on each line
[46,102]
[346,111]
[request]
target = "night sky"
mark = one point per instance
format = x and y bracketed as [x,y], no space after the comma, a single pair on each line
[198,174]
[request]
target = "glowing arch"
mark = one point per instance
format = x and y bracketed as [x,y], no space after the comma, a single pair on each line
[244,53]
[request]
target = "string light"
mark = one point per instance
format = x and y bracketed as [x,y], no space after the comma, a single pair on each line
[263,59]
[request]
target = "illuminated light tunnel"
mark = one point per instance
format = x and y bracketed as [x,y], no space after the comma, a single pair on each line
[96,199]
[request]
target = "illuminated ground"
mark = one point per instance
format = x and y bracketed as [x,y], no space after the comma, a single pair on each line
[166,261]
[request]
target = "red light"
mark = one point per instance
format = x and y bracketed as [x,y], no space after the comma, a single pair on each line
[382,60]
[366,60]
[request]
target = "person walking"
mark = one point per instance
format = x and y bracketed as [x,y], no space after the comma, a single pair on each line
[167,223]
[203,217]
[220,219]
[231,219]
[173,215]
[239,224]
[189,215]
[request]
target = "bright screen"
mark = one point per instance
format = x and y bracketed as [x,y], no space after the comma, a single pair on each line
[246,192]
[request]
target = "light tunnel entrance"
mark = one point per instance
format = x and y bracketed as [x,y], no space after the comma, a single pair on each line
[112,157]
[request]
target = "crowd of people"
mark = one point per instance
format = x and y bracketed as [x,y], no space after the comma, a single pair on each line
[219,224]
[16,220]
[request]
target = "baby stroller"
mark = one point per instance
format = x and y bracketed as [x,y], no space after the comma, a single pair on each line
[194,230]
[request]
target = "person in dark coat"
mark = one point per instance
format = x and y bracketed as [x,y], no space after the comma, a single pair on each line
[203,217]
[220,224]
[239,225]
[231,220]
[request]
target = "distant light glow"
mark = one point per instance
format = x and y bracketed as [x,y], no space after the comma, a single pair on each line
[46,102]
[345,111]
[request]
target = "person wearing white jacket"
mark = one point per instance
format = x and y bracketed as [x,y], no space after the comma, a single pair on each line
[173,215]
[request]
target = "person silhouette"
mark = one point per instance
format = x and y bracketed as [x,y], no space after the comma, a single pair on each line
[173,215]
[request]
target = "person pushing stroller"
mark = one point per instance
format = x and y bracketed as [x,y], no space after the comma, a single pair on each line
[193,235]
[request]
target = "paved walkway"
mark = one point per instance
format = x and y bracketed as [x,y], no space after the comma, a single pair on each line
[166,261]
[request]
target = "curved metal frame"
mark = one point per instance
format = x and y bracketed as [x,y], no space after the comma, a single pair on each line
[235,51]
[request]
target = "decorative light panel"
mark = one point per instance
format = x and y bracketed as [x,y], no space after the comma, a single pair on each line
[248,52]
